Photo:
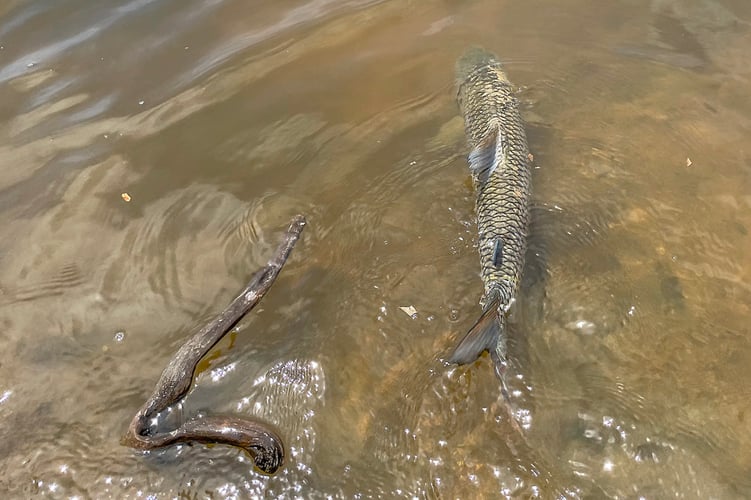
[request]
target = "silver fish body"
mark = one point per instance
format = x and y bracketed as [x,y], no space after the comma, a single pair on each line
[499,161]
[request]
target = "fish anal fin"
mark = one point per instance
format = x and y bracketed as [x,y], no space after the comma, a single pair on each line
[485,158]
[483,336]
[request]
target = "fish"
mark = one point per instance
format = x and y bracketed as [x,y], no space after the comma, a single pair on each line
[500,165]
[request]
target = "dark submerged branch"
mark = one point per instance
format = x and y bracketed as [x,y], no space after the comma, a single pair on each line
[255,437]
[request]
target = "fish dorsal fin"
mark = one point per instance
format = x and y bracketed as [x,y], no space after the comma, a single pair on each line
[497,253]
[485,158]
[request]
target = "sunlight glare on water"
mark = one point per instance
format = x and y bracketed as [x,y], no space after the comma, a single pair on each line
[152,152]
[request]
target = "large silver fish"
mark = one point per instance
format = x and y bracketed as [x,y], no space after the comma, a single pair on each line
[500,165]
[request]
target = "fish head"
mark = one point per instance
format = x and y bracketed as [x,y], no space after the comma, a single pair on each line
[473,59]
[473,70]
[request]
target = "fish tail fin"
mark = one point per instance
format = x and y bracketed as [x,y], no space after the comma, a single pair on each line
[486,335]
[483,336]
[500,363]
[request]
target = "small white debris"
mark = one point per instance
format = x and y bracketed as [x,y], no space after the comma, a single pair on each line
[688,162]
[409,311]
[4,396]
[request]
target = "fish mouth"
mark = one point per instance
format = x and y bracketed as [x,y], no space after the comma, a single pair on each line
[473,60]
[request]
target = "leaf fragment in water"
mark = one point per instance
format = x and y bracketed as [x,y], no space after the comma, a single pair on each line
[409,311]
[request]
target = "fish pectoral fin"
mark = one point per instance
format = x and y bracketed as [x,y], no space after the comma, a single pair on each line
[485,158]
[482,336]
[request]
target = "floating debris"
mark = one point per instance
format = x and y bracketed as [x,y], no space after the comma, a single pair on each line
[409,311]
[689,162]
[260,441]
[125,197]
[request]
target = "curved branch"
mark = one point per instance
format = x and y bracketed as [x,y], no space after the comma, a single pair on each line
[255,437]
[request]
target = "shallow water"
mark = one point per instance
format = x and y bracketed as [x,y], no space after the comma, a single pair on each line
[221,120]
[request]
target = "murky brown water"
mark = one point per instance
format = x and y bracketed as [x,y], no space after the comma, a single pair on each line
[223,118]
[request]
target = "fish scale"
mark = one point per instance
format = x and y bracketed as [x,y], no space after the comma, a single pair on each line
[500,165]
